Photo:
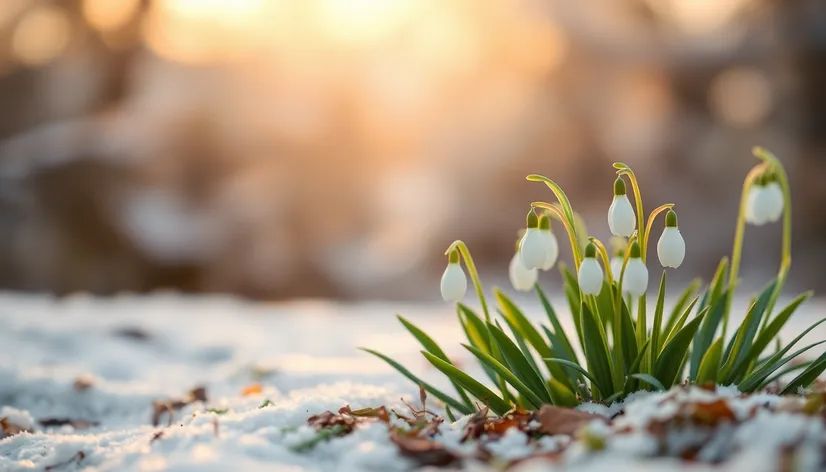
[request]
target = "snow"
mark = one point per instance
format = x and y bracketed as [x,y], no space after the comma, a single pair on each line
[136,349]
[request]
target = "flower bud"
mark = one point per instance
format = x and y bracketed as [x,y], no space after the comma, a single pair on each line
[635,281]
[621,217]
[454,281]
[590,275]
[671,246]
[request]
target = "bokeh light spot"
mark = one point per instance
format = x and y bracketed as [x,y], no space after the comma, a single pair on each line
[41,35]
[742,97]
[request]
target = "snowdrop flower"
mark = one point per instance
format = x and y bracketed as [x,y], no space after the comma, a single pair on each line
[590,273]
[635,281]
[454,281]
[616,264]
[551,246]
[774,205]
[621,217]
[671,246]
[532,248]
[522,279]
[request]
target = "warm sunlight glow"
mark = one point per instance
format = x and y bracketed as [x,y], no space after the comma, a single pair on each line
[364,22]
[41,35]
[699,16]
[109,15]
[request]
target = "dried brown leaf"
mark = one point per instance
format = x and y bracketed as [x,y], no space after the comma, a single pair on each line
[422,450]
[559,420]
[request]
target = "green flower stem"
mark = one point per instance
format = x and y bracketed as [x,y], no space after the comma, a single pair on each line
[570,223]
[606,260]
[786,245]
[616,324]
[474,275]
[569,228]
[737,250]
[623,169]
[651,218]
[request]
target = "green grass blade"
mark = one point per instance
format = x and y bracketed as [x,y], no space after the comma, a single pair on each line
[658,319]
[484,394]
[526,351]
[430,345]
[776,361]
[678,325]
[449,413]
[517,363]
[594,382]
[771,331]
[783,372]
[571,288]
[705,335]
[805,378]
[447,399]
[514,315]
[568,377]
[596,350]
[560,394]
[710,365]
[647,378]
[558,330]
[677,310]
[630,348]
[509,377]
[668,363]
[477,334]
[745,336]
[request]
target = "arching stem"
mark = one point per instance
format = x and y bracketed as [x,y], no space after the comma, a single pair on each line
[474,275]
[569,228]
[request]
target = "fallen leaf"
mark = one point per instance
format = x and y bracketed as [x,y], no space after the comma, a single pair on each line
[422,450]
[380,413]
[76,424]
[9,428]
[170,405]
[252,389]
[711,414]
[559,420]
[83,383]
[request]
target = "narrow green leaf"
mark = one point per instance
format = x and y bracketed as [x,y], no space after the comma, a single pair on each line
[669,361]
[658,319]
[569,377]
[678,325]
[571,288]
[560,394]
[649,380]
[514,315]
[805,378]
[519,366]
[771,330]
[430,345]
[466,410]
[776,361]
[526,351]
[477,334]
[710,365]
[449,413]
[508,376]
[558,330]
[596,349]
[677,310]
[581,370]
[745,336]
[484,394]
[705,335]
[634,367]
[630,349]
[783,372]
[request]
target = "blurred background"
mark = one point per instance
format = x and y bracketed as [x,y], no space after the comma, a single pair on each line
[334,148]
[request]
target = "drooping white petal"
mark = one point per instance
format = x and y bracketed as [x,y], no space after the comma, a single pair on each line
[551,250]
[616,267]
[522,278]
[532,249]
[635,281]
[590,276]
[454,283]
[758,204]
[621,217]
[774,201]
[671,247]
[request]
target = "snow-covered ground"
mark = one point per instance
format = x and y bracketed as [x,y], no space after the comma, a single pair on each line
[128,351]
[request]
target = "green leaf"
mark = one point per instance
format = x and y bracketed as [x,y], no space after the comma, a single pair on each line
[558,330]
[630,348]
[596,349]
[449,414]
[704,337]
[430,345]
[508,376]
[569,377]
[571,288]
[594,382]
[649,380]
[526,351]
[512,313]
[466,410]
[745,336]
[560,394]
[670,360]
[783,372]
[771,330]
[519,366]
[678,325]
[658,319]
[805,378]
[484,394]
[776,361]
[477,334]
[677,310]
[710,364]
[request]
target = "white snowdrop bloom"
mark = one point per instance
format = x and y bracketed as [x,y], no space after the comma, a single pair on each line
[621,217]
[616,266]
[774,201]
[590,273]
[635,281]
[532,248]
[454,281]
[551,245]
[759,205]
[671,246]
[522,278]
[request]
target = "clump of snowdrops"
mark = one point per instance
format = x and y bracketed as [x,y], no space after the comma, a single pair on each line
[618,351]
